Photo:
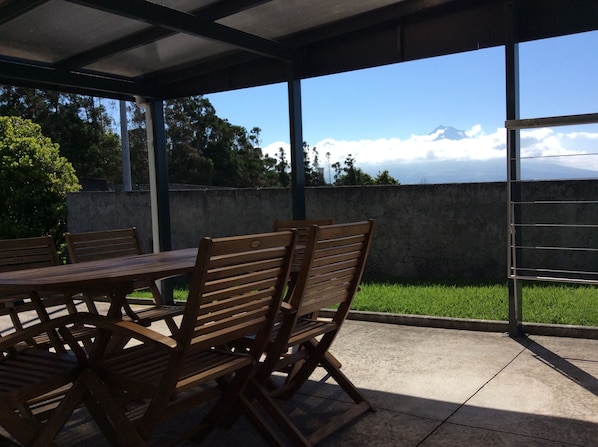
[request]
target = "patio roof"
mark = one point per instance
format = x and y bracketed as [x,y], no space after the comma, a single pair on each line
[166,49]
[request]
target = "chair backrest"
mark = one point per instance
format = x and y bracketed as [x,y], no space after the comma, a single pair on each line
[22,254]
[332,268]
[27,253]
[302,227]
[236,289]
[95,245]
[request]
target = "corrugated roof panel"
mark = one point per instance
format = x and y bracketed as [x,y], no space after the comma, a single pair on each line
[270,20]
[172,51]
[57,29]
[279,18]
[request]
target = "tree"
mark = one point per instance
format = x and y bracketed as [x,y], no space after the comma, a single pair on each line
[314,174]
[384,178]
[205,149]
[282,167]
[350,174]
[79,124]
[34,180]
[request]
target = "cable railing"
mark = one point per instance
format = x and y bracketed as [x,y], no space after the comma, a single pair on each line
[552,237]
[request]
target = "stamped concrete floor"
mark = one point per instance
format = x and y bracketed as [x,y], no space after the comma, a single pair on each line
[436,387]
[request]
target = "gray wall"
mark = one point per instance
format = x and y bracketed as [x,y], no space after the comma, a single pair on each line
[422,231]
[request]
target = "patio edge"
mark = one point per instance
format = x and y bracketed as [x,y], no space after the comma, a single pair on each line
[554,330]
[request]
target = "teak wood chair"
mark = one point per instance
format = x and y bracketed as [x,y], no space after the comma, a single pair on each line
[332,267]
[236,290]
[27,309]
[39,388]
[302,227]
[95,245]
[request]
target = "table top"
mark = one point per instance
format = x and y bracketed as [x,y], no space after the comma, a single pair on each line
[102,275]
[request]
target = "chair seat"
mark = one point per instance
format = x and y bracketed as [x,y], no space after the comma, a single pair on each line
[144,367]
[79,333]
[33,372]
[156,313]
[306,329]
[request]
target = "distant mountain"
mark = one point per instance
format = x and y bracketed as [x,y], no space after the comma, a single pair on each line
[473,171]
[448,133]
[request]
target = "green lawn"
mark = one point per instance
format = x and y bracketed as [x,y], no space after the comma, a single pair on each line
[542,303]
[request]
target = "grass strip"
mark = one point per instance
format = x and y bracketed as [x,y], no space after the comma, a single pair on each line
[542,303]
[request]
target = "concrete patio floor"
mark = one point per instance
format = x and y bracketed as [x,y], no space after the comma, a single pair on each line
[436,387]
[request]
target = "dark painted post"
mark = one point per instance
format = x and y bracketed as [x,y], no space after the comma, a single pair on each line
[513,168]
[297,157]
[161,184]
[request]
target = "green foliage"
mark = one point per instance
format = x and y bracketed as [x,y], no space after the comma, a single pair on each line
[79,124]
[34,180]
[350,174]
[204,149]
[384,178]
[314,174]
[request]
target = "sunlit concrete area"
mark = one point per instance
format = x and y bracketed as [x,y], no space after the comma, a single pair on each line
[433,387]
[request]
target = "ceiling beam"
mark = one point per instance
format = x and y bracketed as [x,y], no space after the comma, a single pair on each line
[182,22]
[46,77]
[371,19]
[211,12]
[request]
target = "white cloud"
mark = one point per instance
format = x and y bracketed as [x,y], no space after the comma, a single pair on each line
[563,148]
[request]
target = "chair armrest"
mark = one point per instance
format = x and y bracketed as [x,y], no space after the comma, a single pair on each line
[128,329]
[9,341]
[287,309]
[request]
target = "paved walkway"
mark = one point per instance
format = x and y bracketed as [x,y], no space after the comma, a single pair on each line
[441,387]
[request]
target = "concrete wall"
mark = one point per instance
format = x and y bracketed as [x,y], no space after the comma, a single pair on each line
[422,231]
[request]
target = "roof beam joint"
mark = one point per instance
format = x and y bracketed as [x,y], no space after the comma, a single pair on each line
[183,22]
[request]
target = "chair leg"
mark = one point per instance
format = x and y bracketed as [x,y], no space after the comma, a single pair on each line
[22,430]
[332,366]
[263,397]
[259,423]
[224,411]
[113,419]
[345,383]
[60,415]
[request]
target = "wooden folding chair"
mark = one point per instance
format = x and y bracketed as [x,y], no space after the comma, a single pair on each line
[28,309]
[39,388]
[333,263]
[236,290]
[302,227]
[95,245]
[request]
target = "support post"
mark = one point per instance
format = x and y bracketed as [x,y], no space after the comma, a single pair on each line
[158,174]
[297,156]
[513,169]
[126,154]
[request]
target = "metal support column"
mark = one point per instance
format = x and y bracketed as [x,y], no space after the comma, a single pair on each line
[126,153]
[158,173]
[297,156]
[513,168]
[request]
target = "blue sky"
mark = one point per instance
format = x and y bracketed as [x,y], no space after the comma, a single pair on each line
[386,113]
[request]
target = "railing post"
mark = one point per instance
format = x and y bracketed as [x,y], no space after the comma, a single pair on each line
[513,167]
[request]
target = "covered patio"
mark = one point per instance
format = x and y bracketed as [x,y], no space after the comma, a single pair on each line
[148,52]
[431,386]
[436,387]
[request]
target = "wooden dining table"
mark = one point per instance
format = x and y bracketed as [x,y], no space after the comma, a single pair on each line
[112,277]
